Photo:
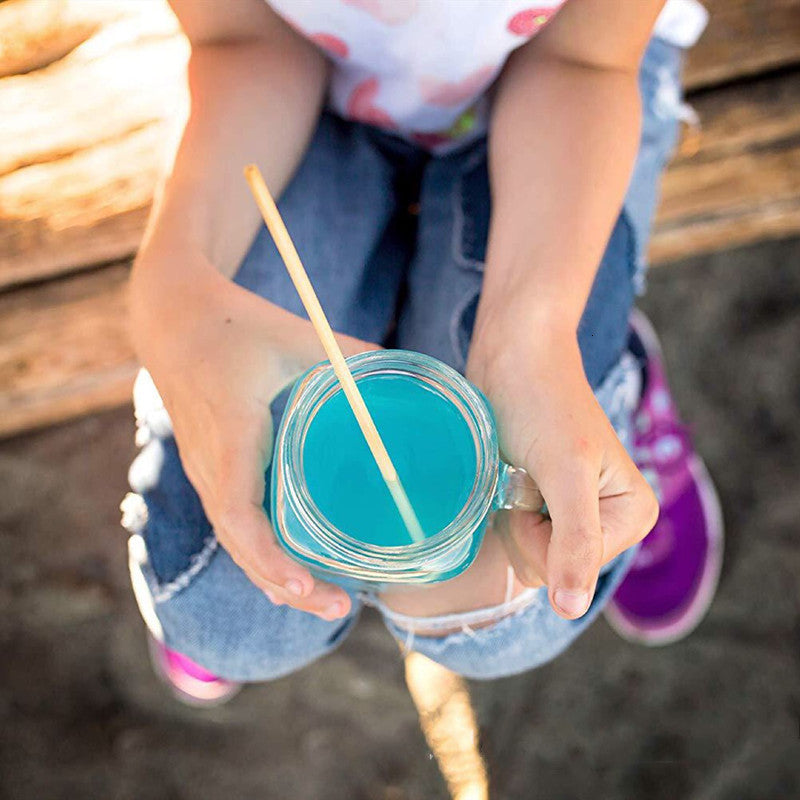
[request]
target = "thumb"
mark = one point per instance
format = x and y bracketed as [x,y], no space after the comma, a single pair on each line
[575,551]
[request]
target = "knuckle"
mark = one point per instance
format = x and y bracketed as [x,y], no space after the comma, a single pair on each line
[233,519]
[651,512]
[229,518]
[648,508]
[528,576]
[582,552]
[582,454]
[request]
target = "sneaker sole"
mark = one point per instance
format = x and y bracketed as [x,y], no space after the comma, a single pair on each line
[182,696]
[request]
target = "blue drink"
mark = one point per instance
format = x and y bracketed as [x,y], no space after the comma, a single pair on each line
[428,440]
[329,506]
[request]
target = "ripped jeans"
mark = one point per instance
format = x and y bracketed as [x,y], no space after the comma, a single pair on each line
[394,242]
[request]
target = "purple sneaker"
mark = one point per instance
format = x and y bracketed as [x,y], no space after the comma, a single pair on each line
[672,581]
[188,681]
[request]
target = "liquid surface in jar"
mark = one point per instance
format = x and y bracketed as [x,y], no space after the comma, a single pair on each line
[428,441]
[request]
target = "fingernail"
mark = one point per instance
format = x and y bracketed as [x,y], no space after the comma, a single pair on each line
[575,604]
[295,587]
[334,610]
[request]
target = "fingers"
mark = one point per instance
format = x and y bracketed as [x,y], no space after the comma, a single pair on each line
[242,526]
[628,516]
[249,539]
[586,533]
[575,550]
[525,537]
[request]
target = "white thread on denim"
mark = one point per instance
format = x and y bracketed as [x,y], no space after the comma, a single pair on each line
[619,396]
[509,585]
[142,585]
[668,103]
[449,622]
[466,629]
[198,562]
[152,418]
[409,642]
[134,512]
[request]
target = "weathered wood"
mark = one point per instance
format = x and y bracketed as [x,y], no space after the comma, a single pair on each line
[35,33]
[64,350]
[83,141]
[744,37]
[728,202]
[743,117]
[77,103]
[743,184]
[85,209]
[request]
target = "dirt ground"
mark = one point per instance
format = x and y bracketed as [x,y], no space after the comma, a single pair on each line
[716,717]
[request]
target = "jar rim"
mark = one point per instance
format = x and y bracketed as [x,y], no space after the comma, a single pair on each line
[316,387]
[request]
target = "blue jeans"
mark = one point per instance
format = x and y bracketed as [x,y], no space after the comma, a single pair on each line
[394,242]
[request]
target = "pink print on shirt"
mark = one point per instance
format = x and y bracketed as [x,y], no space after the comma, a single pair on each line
[360,105]
[453,93]
[390,12]
[530,21]
[330,43]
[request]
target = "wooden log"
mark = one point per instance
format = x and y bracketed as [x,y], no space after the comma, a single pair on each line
[744,117]
[83,143]
[64,350]
[88,208]
[35,33]
[743,184]
[728,202]
[80,102]
[744,37]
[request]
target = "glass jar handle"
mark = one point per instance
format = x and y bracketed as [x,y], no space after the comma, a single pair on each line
[516,490]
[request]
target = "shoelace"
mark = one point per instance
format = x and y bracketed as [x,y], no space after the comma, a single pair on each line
[661,445]
[661,442]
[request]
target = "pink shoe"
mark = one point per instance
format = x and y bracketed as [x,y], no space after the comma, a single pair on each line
[672,582]
[189,682]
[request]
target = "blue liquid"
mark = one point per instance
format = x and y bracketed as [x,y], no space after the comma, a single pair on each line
[429,443]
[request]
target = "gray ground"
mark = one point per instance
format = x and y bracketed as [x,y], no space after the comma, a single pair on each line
[717,716]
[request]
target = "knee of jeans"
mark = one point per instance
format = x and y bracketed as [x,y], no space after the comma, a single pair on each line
[488,655]
[214,615]
[514,644]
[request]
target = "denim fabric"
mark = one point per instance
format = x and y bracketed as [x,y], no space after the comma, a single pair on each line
[386,274]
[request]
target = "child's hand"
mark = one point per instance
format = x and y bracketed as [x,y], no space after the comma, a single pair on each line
[550,423]
[218,362]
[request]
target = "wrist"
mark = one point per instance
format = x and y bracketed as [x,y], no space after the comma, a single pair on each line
[525,327]
[168,292]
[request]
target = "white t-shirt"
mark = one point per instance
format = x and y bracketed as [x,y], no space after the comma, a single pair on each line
[421,68]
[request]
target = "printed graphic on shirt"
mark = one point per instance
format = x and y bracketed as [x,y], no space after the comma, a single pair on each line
[530,21]
[422,68]
[331,44]
[392,12]
[361,105]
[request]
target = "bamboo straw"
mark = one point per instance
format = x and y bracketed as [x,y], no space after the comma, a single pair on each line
[308,296]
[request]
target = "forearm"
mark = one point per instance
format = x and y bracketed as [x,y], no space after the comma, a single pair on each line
[558,182]
[253,100]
